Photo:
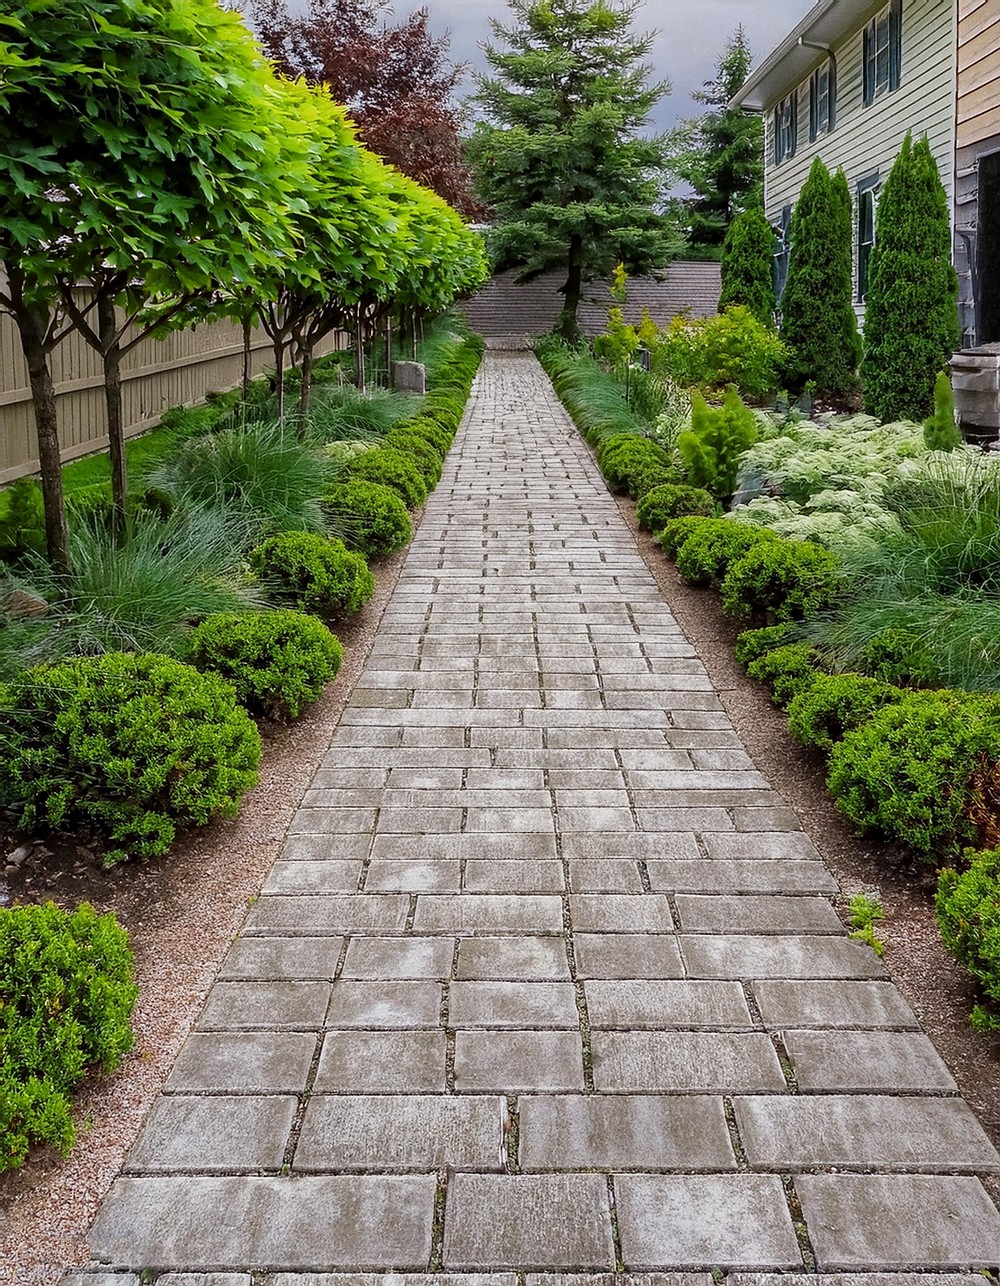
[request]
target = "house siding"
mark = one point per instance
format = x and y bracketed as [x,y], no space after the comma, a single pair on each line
[866,140]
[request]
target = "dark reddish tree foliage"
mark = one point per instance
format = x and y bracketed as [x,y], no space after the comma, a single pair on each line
[396,82]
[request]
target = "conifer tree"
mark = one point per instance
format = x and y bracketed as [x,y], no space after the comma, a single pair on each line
[941,433]
[911,324]
[818,322]
[747,271]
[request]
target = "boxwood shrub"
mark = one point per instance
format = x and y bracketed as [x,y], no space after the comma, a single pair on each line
[623,461]
[752,644]
[924,771]
[780,580]
[835,704]
[373,517]
[897,655]
[394,469]
[66,997]
[714,547]
[788,670]
[660,504]
[313,573]
[277,662]
[127,745]
[427,457]
[968,912]
[677,532]
[431,430]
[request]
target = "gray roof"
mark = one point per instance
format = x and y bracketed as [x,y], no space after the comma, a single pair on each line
[505,308]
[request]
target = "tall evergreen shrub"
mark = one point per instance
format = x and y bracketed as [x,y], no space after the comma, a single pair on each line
[818,322]
[747,265]
[911,327]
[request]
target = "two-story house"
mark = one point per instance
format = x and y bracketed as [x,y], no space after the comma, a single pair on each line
[847,85]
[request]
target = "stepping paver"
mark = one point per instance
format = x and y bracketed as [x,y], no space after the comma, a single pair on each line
[547,979]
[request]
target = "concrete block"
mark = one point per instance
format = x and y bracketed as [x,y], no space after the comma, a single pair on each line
[636,1004]
[507,1062]
[241,1062]
[685,1062]
[627,955]
[267,959]
[486,913]
[720,876]
[276,1005]
[806,1003]
[620,913]
[214,1133]
[517,958]
[753,913]
[513,1004]
[381,1062]
[788,956]
[850,1060]
[398,958]
[378,1006]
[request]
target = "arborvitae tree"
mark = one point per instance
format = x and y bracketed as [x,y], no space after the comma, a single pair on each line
[911,325]
[941,433]
[571,180]
[818,322]
[747,265]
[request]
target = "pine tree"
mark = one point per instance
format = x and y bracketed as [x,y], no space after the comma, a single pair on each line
[911,326]
[818,322]
[747,265]
[941,433]
[572,182]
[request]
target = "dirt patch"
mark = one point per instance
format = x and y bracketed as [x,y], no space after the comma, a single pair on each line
[182,912]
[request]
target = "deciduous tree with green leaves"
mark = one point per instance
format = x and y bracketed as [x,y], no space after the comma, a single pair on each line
[560,160]
[911,321]
[747,265]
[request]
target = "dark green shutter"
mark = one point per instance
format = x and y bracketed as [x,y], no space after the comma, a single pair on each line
[895,43]
[869,65]
[814,107]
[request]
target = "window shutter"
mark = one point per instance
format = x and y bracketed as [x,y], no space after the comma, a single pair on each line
[794,132]
[869,65]
[833,95]
[814,107]
[895,43]
[777,134]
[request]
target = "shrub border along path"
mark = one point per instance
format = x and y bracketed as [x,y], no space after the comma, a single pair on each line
[547,976]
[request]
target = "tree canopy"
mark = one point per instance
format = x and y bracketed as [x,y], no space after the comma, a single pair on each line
[560,159]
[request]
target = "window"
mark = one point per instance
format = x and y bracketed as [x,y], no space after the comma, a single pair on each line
[786,120]
[868,190]
[782,248]
[822,101]
[883,52]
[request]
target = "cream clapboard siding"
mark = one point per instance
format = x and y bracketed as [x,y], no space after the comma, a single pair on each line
[866,140]
[978,71]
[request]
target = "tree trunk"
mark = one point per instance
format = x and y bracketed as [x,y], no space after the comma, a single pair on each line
[359,352]
[306,367]
[32,323]
[107,325]
[388,351]
[413,332]
[568,326]
[247,336]
[278,347]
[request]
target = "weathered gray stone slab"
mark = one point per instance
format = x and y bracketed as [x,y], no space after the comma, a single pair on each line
[351,846]
[278,1005]
[683,1062]
[848,1060]
[619,913]
[298,1221]
[510,1061]
[486,913]
[384,1005]
[752,913]
[621,1279]
[788,956]
[637,846]
[244,1061]
[637,1004]
[566,1132]
[398,958]
[312,913]
[204,1134]
[538,1221]
[605,875]
[412,1132]
[313,877]
[804,1003]
[514,876]
[857,1132]
[855,1279]
[410,377]
[204,1279]
[467,847]
[512,1004]
[688,1221]
[721,876]
[627,955]
[108,1279]
[513,958]
[381,1062]
[385,876]
[762,847]
[262,959]
[399,1279]
[692,817]
[899,1221]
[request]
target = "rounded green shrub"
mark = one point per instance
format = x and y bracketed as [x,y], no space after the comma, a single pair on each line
[624,463]
[441,410]
[394,469]
[313,573]
[753,644]
[924,771]
[277,662]
[835,704]
[897,655]
[428,458]
[128,745]
[431,430]
[789,670]
[781,580]
[373,517]
[968,912]
[715,547]
[677,532]
[659,505]
[66,997]
[653,476]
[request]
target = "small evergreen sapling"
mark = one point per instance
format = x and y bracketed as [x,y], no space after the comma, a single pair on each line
[711,448]
[747,277]
[941,433]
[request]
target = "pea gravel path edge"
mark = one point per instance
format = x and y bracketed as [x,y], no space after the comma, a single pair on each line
[547,980]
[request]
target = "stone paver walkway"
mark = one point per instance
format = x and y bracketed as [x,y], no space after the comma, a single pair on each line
[547,979]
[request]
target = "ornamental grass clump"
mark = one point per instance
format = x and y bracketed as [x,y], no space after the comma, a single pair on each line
[391,468]
[924,772]
[968,912]
[656,508]
[835,704]
[277,662]
[126,746]
[67,992]
[781,580]
[712,548]
[373,518]
[313,574]
[345,413]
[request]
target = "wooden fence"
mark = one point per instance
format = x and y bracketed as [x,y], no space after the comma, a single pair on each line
[178,369]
